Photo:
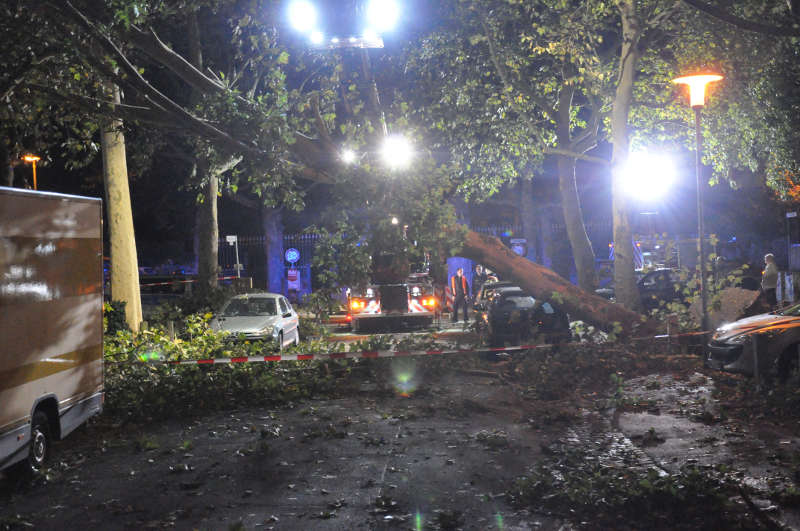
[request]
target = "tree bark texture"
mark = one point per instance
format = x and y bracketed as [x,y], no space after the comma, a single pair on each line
[624,277]
[582,252]
[273,247]
[543,283]
[208,259]
[124,260]
[208,230]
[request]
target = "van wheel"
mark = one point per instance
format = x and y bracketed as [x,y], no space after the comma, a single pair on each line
[40,441]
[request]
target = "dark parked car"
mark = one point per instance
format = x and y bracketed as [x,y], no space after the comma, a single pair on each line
[777,335]
[654,286]
[487,293]
[514,316]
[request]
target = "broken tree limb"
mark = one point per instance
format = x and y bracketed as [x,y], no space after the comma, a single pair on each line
[544,283]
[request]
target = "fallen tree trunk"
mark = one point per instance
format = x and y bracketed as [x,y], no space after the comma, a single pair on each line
[543,283]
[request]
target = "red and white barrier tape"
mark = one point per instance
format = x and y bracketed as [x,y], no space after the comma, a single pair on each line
[365,354]
[147,285]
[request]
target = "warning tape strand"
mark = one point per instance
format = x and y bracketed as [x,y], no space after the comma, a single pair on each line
[188,281]
[364,354]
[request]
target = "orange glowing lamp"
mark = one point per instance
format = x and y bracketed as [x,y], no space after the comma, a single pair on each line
[697,87]
[30,157]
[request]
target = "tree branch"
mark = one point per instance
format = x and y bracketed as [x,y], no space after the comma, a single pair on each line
[744,24]
[547,108]
[322,129]
[18,76]
[218,169]
[573,154]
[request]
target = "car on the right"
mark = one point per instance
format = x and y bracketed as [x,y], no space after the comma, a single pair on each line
[775,334]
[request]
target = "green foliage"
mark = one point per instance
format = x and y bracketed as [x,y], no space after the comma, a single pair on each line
[749,120]
[508,64]
[114,317]
[139,386]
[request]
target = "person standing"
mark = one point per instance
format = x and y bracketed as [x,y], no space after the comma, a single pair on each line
[769,280]
[478,280]
[460,289]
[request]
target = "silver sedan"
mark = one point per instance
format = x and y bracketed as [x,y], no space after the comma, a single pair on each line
[259,317]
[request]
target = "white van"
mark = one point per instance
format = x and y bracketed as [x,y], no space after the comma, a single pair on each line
[51,320]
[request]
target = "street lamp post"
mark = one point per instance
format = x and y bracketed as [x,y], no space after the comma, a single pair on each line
[697,89]
[32,159]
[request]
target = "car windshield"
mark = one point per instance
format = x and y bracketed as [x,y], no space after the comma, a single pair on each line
[250,307]
[520,302]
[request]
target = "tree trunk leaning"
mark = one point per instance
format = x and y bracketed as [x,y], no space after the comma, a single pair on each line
[543,283]
[582,251]
[124,260]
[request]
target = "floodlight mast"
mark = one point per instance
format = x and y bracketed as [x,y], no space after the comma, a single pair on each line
[381,16]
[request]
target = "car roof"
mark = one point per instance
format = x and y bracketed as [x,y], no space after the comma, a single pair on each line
[258,295]
[513,290]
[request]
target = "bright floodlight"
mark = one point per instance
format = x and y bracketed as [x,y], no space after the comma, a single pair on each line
[302,15]
[316,37]
[397,152]
[395,221]
[370,35]
[383,14]
[348,156]
[647,176]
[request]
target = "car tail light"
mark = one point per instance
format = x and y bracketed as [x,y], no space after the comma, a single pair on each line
[430,302]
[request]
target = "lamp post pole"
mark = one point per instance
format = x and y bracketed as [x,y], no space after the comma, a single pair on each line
[700,223]
[697,91]
[32,159]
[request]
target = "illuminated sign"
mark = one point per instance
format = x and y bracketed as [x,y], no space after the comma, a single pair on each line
[292,255]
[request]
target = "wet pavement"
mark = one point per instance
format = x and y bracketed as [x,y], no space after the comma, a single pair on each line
[437,452]
[678,422]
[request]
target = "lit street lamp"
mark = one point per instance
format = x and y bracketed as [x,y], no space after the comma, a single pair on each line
[697,89]
[32,159]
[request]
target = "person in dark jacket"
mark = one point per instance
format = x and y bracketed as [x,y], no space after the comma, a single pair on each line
[460,289]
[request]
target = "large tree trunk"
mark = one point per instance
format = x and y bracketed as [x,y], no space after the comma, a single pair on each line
[543,283]
[124,261]
[582,251]
[273,247]
[624,277]
[208,259]
[208,230]
[573,219]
